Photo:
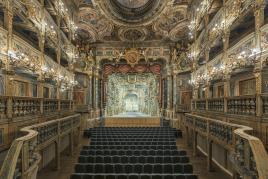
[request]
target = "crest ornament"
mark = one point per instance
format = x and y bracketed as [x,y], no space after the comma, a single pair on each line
[132,56]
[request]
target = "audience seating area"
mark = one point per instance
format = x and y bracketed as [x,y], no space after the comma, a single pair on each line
[133,153]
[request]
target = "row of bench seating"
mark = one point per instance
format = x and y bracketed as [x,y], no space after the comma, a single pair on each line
[132,176]
[133,159]
[133,147]
[133,168]
[132,129]
[130,152]
[126,136]
[133,153]
[133,139]
[133,143]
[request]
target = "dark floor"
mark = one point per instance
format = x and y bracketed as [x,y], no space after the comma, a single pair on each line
[67,165]
[200,164]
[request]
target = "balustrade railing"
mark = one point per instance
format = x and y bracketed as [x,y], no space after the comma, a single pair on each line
[248,153]
[200,104]
[13,107]
[66,104]
[264,104]
[216,104]
[240,105]
[23,106]
[184,107]
[22,159]
[50,105]
[3,107]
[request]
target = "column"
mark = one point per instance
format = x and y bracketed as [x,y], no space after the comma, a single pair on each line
[58,56]
[58,50]
[209,153]
[207,85]
[40,80]
[174,93]
[226,86]
[207,93]
[89,102]
[8,24]
[169,90]
[259,21]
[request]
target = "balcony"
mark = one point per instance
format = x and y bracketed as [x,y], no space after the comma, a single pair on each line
[18,107]
[239,105]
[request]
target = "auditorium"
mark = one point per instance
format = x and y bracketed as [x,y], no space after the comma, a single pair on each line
[133,89]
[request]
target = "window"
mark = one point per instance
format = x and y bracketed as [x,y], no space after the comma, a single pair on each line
[53,93]
[247,87]
[20,88]
[34,90]
[46,92]
[220,91]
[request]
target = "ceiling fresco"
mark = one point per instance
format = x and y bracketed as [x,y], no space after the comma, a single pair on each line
[133,3]
[132,20]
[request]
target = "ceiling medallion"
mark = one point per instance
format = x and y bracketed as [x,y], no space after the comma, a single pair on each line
[132,34]
[133,4]
[132,13]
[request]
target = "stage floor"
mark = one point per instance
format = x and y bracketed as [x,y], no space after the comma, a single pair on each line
[132,114]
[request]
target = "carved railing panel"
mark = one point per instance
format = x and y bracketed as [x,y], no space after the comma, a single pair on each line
[201,104]
[240,105]
[221,132]
[249,156]
[184,107]
[23,106]
[50,105]
[15,107]
[201,125]
[65,105]
[65,125]
[46,132]
[245,105]
[3,107]
[265,104]
[216,104]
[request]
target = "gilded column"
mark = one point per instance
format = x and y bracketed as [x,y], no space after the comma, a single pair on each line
[169,91]
[58,50]
[174,93]
[89,103]
[8,24]
[226,83]
[259,21]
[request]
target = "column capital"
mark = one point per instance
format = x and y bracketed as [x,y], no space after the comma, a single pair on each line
[226,78]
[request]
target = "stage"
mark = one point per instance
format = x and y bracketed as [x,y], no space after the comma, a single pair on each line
[132,114]
[132,119]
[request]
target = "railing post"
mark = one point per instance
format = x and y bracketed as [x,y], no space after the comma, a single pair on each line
[225,105]
[59,105]
[58,148]
[187,136]
[42,105]
[9,107]
[194,143]
[259,105]
[206,104]
[209,153]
